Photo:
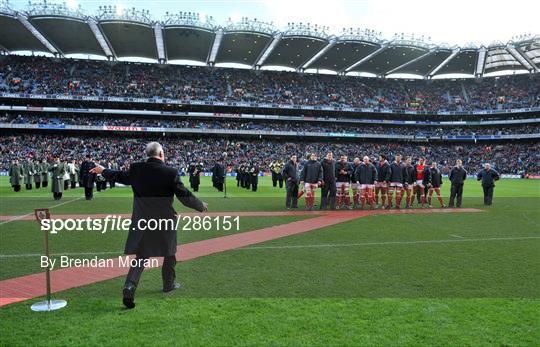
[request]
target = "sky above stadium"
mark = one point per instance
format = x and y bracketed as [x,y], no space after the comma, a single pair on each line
[454,22]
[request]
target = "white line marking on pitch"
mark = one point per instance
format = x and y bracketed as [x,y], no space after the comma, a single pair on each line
[392,243]
[459,237]
[31,213]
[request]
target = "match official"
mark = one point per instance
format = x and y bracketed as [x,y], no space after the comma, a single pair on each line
[154,186]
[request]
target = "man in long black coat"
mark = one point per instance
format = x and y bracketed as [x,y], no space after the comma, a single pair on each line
[457,175]
[329,190]
[218,175]
[88,178]
[290,175]
[488,176]
[194,171]
[154,186]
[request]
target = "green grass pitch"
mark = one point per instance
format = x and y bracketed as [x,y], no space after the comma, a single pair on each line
[470,279]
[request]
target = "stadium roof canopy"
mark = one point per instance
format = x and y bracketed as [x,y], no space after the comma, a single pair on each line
[130,33]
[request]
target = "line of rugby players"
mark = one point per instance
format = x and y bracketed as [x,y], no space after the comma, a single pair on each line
[368,181]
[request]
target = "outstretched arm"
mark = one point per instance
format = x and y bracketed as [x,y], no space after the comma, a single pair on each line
[187,198]
[112,175]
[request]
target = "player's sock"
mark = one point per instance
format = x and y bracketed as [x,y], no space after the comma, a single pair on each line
[399,196]
[440,200]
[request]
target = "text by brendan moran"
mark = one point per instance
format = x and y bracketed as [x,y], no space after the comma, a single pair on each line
[65,261]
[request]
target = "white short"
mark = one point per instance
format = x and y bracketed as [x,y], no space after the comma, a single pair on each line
[345,185]
[367,186]
[309,187]
[419,183]
[381,185]
[396,184]
[355,186]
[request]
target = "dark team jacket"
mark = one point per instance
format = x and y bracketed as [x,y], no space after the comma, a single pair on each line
[433,177]
[410,174]
[312,172]
[457,175]
[383,172]
[290,170]
[488,177]
[154,186]
[365,174]
[87,178]
[329,171]
[346,166]
[218,172]
[397,172]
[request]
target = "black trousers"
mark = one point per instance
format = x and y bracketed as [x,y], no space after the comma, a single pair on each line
[45,184]
[254,183]
[274,179]
[38,185]
[73,184]
[456,192]
[28,186]
[88,193]
[17,187]
[328,195]
[112,184]
[57,196]
[168,274]
[280,180]
[277,177]
[488,194]
[291,200]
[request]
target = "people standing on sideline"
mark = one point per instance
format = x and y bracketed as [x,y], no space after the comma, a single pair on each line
[488,176]
[457,177]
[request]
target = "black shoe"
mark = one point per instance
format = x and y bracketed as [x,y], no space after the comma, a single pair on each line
[129,296]
[174,286]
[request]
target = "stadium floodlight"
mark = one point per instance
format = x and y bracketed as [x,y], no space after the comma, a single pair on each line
[251,25]
[215,46]
[320,53]
[481,63]
[119,13]
[100,38]
[45,8]
[358,34]
[269,50]
[6,9]
[402,39]
[190,19]
[307,29]
[158,33]
[37,34]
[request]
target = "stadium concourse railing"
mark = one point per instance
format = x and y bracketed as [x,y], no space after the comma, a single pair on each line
[258,105]
[295,134]
[260,117]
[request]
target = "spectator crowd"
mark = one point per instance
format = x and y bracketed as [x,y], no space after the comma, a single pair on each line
[294,126]
[41,75]
[508,158]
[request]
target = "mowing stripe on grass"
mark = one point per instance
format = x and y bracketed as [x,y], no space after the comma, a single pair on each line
[32,286]
[30,216]
[324,245]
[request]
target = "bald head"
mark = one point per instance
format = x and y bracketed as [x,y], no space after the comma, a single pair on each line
[154,150]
